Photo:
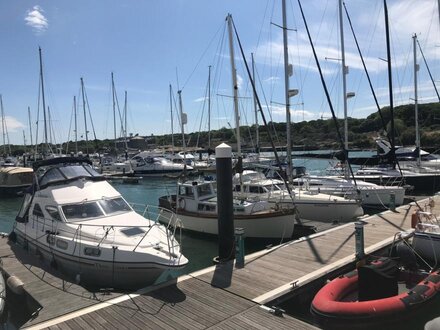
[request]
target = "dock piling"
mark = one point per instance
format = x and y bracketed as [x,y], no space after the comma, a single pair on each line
[225,213]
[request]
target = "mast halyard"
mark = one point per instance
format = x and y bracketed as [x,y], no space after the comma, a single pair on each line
[125,121]
[3,125]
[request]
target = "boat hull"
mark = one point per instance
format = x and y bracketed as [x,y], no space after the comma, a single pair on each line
[264,225]
[94,272]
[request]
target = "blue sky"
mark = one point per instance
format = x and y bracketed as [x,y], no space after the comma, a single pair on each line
[151,44]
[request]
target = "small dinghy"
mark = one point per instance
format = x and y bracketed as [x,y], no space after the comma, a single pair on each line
[374,294]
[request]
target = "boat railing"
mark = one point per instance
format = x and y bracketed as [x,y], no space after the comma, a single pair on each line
[160,216]
[50,228]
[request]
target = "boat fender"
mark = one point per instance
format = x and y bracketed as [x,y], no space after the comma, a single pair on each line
[181,203]
[414,219]
[15,284]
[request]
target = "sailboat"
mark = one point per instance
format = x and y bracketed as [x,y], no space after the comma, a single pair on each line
[371,194]
[196,201]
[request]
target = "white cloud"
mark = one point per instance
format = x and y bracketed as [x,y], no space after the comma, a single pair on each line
[12,125]
[36,20]
[201,99]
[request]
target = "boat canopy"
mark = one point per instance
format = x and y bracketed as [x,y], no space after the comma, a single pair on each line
[56,175]
[16,176]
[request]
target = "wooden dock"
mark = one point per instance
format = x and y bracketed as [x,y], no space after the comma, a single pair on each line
[219,297]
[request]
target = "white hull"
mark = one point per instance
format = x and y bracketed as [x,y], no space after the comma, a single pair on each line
[275,226]
[92,271]
[328,211]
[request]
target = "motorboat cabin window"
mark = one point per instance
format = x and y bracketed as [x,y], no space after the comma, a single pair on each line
[139,160]
[237,187]
[37,211]
[186,191]
[114,205]
[82,211]
[256,190]
[204,190]
[53,212]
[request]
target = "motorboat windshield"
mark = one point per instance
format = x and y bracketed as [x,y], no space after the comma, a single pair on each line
[59,174]
[95,209]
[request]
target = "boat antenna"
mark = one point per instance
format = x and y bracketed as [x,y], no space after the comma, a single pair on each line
[30,125]
[324,85]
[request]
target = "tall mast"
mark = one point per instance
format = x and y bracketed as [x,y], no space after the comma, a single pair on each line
[125,121]
[234,85]
[114,109]
[344,85]
[85,115]
[30,125]
[257,133]
[172,121]
[44,100]
[416,108]
[390,86]
[76,125]
[209,106]
[3,124]
[183,122]
[286,90]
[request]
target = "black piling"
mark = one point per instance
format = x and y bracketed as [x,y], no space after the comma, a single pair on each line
[225,212]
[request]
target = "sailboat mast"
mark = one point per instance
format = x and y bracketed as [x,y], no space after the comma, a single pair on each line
[209,107]
[172,121]
[76,125]
[125,121]
[390,85]
[85,115]
[43,99]
[114,109]
[344,85]
[257,133]
[286,90]
[234,85]
[344,74]
[416,108]
[3,124]
[30,125]
[183,122]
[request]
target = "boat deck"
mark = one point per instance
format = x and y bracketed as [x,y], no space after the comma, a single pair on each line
[219,297]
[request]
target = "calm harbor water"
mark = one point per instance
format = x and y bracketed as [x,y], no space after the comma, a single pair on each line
[199,249]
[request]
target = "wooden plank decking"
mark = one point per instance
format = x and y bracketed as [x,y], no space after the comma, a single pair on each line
[219,297]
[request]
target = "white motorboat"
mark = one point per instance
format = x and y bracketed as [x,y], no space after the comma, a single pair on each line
[77,221]
[196,206]
[371,195]
[311,205]
[145,164]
